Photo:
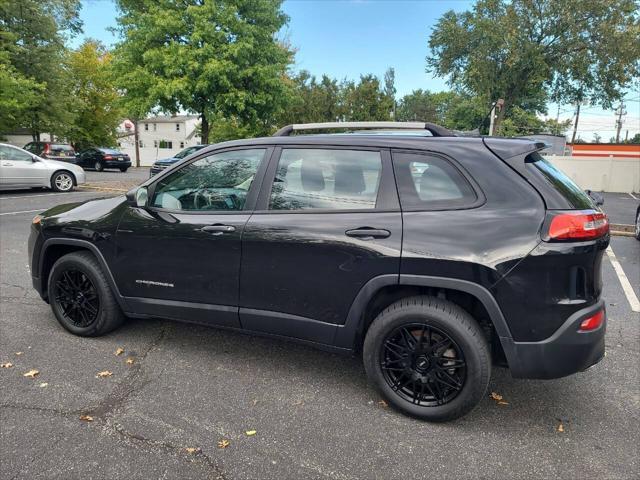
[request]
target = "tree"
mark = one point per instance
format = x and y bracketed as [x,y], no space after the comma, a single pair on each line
[366,100]
[390,88]
[94,98]
[33,40]
[219,59]
[526,51]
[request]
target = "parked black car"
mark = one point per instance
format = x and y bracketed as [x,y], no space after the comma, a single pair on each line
[60,152]
[433,257]
[100,158]
[160,165]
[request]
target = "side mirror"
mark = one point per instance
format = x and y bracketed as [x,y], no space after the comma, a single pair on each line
[34,159]
[596,197]
[137,197]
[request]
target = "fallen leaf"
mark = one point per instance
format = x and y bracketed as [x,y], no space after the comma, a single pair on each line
[86,418]
[255,402]
[43,384]
[383,404]
[500,402]
[192,450]
[223,443]
[496,396]
[105,373]
[19,353]
[6,365]
[250,433]
[31,373]
[119,351]
[129,361]
[560,427]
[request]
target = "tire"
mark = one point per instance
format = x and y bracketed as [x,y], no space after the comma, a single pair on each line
[62,181]
[124,170]
[98,166]
[103,316]
[462,361]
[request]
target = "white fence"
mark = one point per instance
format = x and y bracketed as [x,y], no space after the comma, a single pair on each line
[607,174]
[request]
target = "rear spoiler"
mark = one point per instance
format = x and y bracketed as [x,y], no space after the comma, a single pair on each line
[513,150]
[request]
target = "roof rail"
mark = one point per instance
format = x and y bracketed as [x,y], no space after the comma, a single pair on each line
[436,130]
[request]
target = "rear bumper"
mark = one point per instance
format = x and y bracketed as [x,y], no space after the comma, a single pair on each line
[567,351]
[116,164]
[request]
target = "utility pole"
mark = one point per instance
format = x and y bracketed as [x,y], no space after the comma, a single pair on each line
[620,111]
[575,125]
[499,104]
[557,129]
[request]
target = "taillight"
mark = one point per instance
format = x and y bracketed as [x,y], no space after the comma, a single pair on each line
[578,225]
[47,148]
[108,157]
[592,323]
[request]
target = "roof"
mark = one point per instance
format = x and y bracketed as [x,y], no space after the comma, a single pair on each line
[504,147]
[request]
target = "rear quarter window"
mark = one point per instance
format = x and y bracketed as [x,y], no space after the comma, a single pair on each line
[429,182]
[557,188]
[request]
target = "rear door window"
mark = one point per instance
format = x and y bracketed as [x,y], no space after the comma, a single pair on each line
[429,182]
[326,179]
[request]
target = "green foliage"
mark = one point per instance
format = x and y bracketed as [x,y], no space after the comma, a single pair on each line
[527,51]
[219,59]
[94,98]
[32,41]
[449,109]
[328,100]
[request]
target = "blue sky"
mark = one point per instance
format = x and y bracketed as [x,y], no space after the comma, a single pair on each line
[346,38]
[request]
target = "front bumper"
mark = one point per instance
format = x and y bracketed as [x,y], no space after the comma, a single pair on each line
[155,169]
[566,352]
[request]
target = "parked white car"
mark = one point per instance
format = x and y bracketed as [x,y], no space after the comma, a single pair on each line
[21,169]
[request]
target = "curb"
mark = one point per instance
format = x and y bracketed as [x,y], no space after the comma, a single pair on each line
[622,230]
[105,189]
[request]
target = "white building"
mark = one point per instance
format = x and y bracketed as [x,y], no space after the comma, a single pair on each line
[21,136]
[159,137]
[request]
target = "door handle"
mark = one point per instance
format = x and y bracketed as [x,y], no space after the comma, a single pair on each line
[218,229]
[366,233]
[7,164]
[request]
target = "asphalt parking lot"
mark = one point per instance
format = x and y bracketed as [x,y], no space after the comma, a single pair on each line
[314,414]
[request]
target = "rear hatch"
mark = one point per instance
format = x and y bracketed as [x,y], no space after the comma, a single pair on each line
[563,274]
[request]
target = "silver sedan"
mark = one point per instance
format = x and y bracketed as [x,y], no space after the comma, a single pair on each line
[21,169]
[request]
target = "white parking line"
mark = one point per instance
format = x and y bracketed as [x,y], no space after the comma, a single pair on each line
[633,196]
[624,281]
[25,211]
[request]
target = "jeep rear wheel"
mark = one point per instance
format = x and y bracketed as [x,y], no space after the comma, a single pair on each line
[80,296]
[428,357]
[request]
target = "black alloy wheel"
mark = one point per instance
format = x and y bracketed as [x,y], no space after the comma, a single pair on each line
[80,295]
[428,357]
[77,298]
[423,365]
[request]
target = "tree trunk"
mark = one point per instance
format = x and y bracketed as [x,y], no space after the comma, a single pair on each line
[497,127]
[204,128]
[136,137]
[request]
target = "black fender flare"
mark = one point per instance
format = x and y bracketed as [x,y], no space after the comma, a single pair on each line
[93,249]
[346,334]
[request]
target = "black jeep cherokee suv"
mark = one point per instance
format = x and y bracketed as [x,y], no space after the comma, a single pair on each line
[435,257]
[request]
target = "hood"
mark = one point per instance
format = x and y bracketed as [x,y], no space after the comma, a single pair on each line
[87,210]
[167,161]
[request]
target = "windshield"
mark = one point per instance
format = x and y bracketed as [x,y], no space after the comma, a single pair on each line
[187,151]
